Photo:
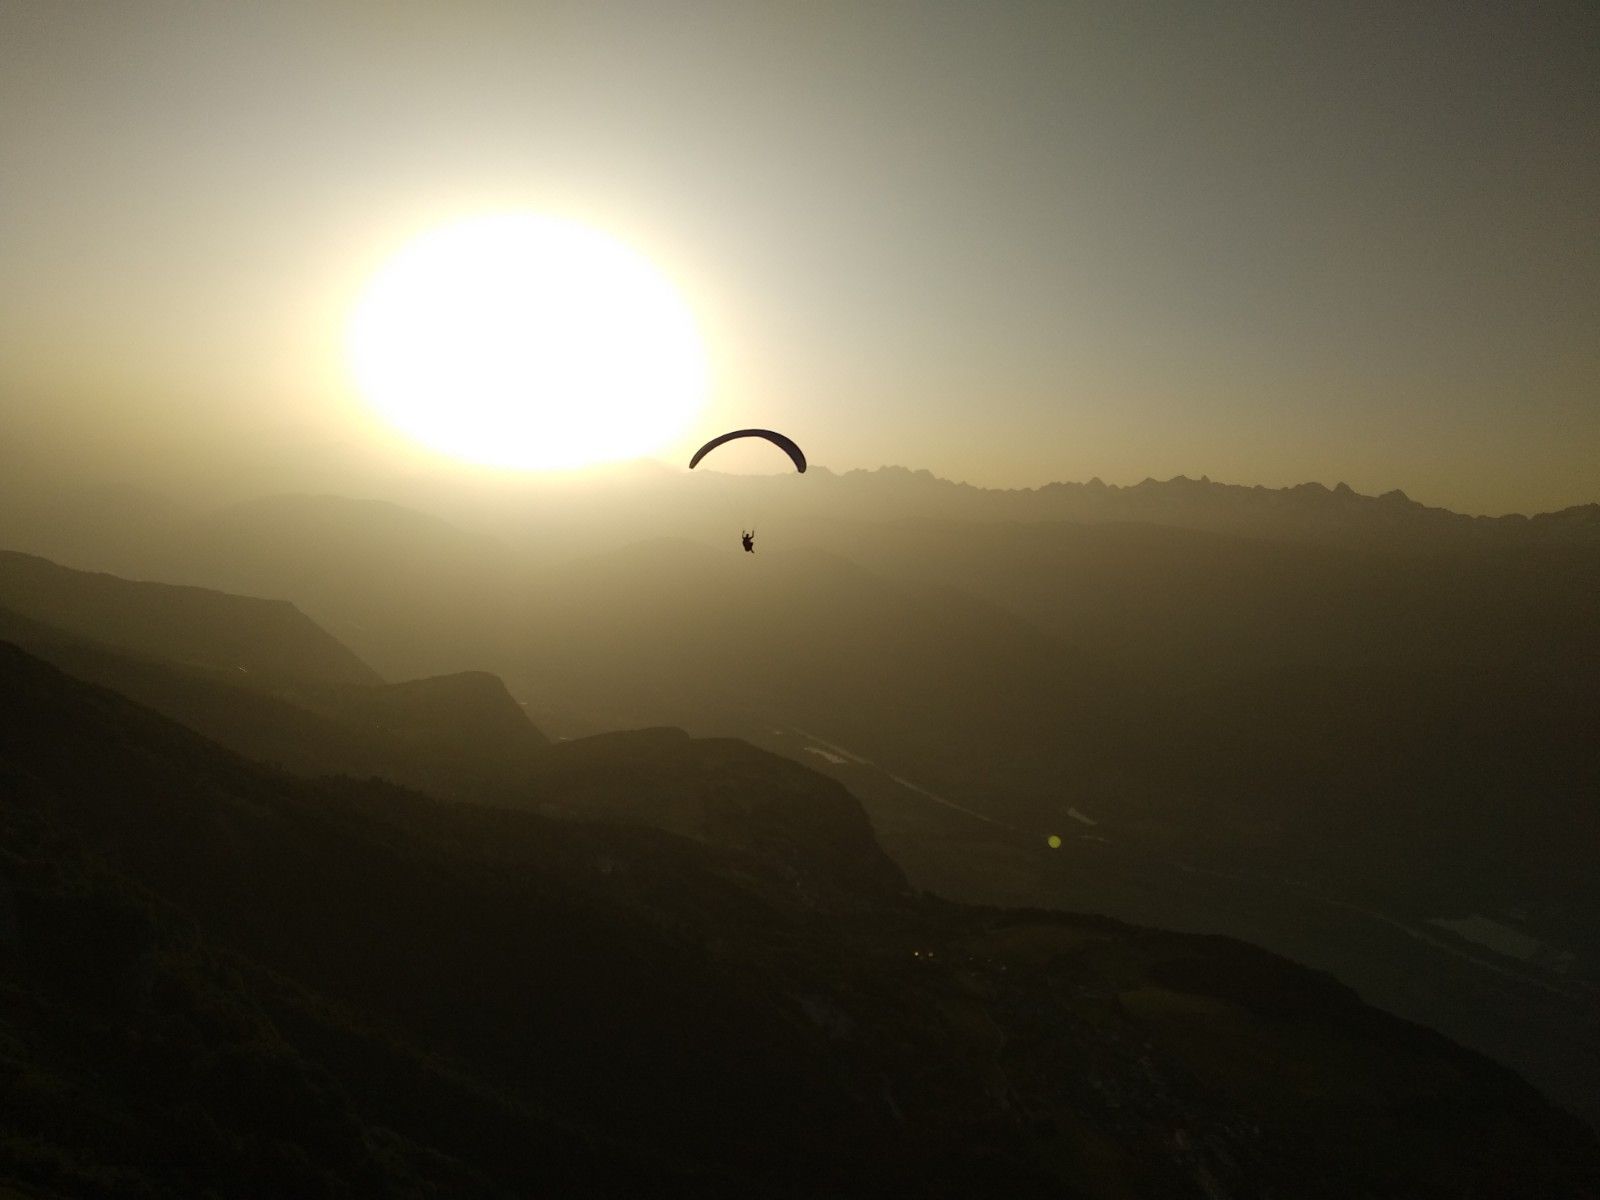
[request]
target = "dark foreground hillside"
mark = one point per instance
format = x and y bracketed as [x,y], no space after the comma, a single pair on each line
[221,980]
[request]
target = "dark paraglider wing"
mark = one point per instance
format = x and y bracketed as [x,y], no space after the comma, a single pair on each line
[777,439]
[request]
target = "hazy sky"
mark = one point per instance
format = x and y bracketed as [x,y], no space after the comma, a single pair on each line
[1010,243]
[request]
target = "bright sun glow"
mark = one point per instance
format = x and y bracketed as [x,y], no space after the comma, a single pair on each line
[520,340]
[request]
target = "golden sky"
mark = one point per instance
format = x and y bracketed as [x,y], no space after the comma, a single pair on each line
[1009,243]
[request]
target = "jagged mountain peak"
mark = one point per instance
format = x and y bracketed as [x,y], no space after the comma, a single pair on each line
[1304,511]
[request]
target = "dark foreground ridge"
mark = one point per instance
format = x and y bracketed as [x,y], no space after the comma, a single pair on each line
[219,979]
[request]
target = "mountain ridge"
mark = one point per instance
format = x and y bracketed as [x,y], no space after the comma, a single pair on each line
[273,639]
[277,987]
[1309,508]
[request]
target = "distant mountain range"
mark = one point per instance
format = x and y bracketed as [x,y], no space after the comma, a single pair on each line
[118,527]
[1308,511]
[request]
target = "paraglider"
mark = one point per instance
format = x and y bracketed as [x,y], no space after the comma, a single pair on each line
[777,439]
[747,538]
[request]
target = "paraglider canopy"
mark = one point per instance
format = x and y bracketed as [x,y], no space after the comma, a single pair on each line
[777,439]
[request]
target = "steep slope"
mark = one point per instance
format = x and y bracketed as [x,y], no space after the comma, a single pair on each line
[463,718]
[463,737]
[725,793]
[119,528]
[217,976]
[410,592]
[270,639]
[460,736]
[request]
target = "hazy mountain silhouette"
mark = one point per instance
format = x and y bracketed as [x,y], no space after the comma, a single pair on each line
[218,976]
[422,595]
[461,735]
[1307,511]
[268,639]
[1383,706]
[119,528]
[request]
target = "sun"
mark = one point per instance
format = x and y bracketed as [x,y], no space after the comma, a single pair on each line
[524,340]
